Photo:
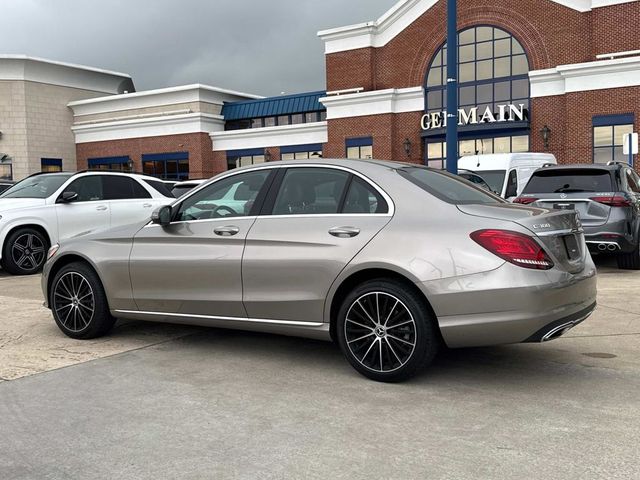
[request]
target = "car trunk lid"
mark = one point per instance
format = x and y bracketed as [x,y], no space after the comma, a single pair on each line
[559,231]
[592,213]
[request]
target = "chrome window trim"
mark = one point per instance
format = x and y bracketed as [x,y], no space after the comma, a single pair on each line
[384,194]
[221,219]
[230,319]
[390,203]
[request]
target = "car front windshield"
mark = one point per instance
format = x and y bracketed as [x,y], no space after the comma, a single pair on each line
[37,186]
[447,187]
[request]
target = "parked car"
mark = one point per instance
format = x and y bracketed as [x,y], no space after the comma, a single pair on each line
[607,198]
[170,184]
[336,249]
[5,185]
[45,208]
[180,188]
[506,173]
[475,179]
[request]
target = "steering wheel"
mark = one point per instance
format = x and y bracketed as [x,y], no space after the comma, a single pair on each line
[219,208]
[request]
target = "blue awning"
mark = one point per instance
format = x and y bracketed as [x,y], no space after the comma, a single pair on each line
[274,106]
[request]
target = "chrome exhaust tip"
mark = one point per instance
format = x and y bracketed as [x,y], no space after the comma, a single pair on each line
[613,247]
[602,247]
[557,331]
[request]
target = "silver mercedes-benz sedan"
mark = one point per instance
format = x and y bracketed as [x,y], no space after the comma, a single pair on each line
[390,260]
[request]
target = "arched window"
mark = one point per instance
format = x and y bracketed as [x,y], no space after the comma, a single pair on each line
[492,71]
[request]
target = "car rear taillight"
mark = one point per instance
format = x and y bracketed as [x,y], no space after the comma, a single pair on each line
[514,247]
[613,201]
[525,200]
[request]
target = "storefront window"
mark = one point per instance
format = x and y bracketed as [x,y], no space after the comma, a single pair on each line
[492,74]
[6,168]
[301,155]
[492,69]
[608,137]
[50,165]
[242,158]
[168,166]
[437,150]
[115,164]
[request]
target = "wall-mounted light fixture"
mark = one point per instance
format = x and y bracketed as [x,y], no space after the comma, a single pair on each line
[130,165]
[407,146]
[545,132]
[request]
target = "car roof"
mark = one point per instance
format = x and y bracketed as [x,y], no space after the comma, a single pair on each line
[193,182]
[96,172]
[582,166]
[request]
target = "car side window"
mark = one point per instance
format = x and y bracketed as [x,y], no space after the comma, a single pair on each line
[230,197]
[633,181]
[512,184]
[363,198]
[121,188]
[310,191]
[89,188]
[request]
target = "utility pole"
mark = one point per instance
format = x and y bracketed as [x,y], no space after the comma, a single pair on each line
[452,86]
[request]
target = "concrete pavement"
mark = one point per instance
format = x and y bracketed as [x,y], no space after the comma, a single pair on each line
[208,403]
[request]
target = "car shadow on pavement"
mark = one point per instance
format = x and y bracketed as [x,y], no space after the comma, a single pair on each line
[518,365]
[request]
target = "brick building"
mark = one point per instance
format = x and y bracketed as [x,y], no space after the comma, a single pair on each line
[568,67]
[557,76]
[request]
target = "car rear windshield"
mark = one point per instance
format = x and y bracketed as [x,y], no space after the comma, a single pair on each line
[180,190]
[570,180]
[37,186]
[159,186]
[448,188]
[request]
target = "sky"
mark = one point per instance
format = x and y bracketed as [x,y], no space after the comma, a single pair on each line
[265,47]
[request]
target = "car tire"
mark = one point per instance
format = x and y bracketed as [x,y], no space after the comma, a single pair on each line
[78,302]
[386,331]
[24,251]
[629,261]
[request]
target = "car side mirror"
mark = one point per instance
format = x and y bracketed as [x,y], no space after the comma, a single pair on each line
[162,215]
[68,197]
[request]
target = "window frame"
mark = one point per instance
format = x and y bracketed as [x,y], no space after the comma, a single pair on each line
[269,202]
[66,187]
[437,92]
[166,158]
[255,209]
[359,143]
[610,122]
[46,163]
[132,181]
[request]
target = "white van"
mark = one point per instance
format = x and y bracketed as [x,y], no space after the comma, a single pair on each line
[506,173]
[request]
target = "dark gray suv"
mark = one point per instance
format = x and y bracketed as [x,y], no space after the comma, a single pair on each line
[607,198]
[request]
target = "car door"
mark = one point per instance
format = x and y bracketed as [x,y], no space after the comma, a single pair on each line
[88,212]
[316,219]
[193,265]
[129,202]
[512,185]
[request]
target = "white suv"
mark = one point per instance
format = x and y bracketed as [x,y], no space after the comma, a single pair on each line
[45,208]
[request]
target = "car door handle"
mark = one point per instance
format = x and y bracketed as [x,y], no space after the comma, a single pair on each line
[344,232]
[147,205]
[102,208]
[228,231]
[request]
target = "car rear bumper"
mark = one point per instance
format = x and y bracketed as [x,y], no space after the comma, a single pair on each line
[609,243]
[511,305]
